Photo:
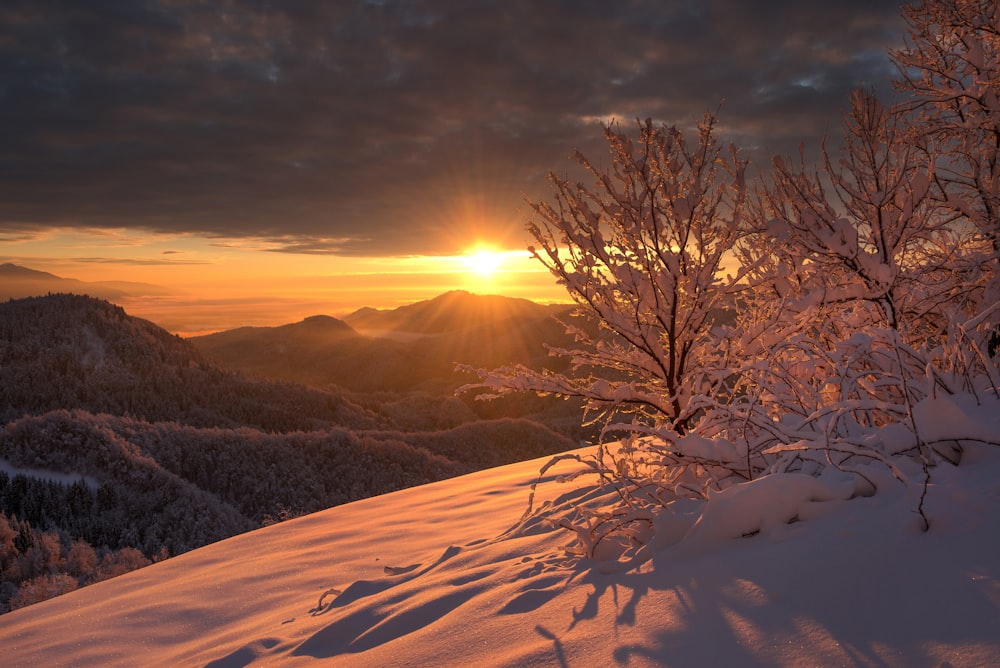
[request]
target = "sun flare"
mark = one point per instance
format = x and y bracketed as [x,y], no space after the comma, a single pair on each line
[483,261]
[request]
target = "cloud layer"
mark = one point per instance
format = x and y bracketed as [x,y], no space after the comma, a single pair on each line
[380,126]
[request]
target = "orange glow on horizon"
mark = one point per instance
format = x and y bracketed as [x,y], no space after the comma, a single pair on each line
[193,285]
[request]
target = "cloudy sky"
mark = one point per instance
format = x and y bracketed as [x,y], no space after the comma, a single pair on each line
[377,128]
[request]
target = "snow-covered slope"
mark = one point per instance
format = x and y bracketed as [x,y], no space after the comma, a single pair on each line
[428,577]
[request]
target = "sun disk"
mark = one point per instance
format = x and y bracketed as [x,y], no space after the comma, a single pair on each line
[483,262]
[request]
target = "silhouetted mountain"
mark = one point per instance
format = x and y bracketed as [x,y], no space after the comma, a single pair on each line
[69,351]
[266,350]
[451,312]
[313,328]
[317,351]
[454,328]
[14,272]
[17,282]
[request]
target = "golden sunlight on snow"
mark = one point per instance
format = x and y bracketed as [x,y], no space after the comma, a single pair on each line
[445,574]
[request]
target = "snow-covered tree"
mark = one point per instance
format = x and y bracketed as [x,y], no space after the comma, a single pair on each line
[641,251]
[856,294]
[870,297]
[950,68]
[855,282]
[863,223]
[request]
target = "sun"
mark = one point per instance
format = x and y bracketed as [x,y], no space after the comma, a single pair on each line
[487,269]
[483,261]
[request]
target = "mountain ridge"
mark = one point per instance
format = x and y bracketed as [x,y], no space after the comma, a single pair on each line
[20,282]
[417,347]
[10,270]
[450,311]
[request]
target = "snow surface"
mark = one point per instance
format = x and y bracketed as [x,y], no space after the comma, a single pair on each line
[428,577]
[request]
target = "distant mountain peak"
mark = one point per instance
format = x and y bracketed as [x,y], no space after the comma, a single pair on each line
[19,282]
[448,312]
[10,270]
[320,324]
[322,320]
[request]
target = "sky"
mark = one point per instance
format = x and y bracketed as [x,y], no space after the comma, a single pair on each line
[362,149]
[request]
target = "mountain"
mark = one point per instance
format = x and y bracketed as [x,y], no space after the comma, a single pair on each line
[69,352]
[449,574]
[453,311]
[17,282]
[416,348]
[317,351]
[13,272]
[317,328]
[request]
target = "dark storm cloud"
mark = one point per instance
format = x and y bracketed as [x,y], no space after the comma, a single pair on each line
[382,126]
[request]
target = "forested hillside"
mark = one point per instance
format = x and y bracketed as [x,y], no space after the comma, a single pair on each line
[70,351]
[123,444]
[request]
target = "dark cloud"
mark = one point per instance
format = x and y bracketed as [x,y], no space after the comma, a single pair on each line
[375,127]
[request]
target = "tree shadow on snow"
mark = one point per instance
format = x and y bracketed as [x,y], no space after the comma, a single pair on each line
[760,602]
